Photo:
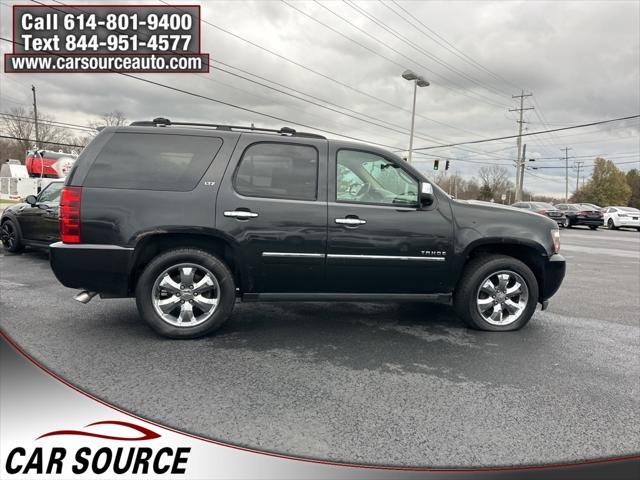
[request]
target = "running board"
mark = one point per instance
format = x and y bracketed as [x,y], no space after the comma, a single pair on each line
[347,297]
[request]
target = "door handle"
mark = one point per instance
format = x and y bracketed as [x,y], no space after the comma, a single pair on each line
[240,214]
[351,221]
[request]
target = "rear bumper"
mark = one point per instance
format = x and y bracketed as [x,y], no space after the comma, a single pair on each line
[97,268]
[589,221]
[627,223]
[554,270]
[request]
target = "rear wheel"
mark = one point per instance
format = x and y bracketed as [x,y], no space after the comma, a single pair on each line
[566,223]
[185,293]
[11,237]
[496,293]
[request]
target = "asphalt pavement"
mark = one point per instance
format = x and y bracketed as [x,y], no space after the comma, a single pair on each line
[394,384]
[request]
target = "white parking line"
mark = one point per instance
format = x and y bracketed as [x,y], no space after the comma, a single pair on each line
[601,251]
[606,238]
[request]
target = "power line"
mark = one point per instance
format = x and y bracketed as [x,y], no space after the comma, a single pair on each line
[422,135]
[315,72]
[497,92]
[582,162]
[413,45]
[531,133]
[299,98]
[45,142]
[470,59]
[55,123]
[229,104]
[424,52]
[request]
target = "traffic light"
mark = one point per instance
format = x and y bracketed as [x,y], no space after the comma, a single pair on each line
[436,163]
[446,166]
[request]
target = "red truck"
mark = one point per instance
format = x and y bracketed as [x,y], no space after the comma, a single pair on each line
[50,165]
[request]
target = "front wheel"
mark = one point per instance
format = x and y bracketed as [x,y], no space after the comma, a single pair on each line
[10,237]
[185,293]
[496,293]
[566,223]
[611,225]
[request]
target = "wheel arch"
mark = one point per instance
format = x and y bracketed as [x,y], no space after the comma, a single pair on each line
[14,219]
[531,253]
[151,244]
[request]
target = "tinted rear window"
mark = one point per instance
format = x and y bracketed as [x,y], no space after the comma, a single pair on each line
[278,170]
[146,161]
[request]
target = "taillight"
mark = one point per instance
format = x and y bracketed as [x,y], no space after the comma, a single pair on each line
[70,214]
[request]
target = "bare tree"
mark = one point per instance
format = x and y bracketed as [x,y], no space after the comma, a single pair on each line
[19,123]
[496,179]
[115,118]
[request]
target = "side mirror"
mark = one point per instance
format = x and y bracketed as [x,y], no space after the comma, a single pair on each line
[31,200]
[426,194]
[43,206]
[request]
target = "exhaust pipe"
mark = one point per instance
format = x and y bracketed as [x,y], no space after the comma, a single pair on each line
[84,296]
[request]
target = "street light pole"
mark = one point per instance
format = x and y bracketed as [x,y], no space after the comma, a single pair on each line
[413,118]
[418,81]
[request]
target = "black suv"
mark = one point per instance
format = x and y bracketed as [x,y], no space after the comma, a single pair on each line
[188,217]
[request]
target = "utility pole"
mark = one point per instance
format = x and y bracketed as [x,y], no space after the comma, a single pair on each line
[522,162]
[518,195]
[578,166]
[35,116]
[566,173]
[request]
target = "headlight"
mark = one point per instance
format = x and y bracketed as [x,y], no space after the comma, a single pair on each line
[555,240]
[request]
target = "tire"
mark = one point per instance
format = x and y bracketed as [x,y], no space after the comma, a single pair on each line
[175,264]
[11,237]
[566,223]
[611,225]
[468,292]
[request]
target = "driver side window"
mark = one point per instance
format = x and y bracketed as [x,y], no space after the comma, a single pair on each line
[363,177]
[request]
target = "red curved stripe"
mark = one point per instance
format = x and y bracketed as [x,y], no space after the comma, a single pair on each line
[146,433]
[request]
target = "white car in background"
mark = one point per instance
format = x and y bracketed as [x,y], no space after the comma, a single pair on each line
[616,217]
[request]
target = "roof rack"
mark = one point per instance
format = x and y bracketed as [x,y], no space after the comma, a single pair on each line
[165,122]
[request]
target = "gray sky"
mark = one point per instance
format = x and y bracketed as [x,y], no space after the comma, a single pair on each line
[581,60]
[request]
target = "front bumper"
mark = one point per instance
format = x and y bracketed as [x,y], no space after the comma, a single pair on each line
[97,268]
[554,270]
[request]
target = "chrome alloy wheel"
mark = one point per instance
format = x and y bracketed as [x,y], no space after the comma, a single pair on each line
[8,235]
[185,295]
[502,298]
